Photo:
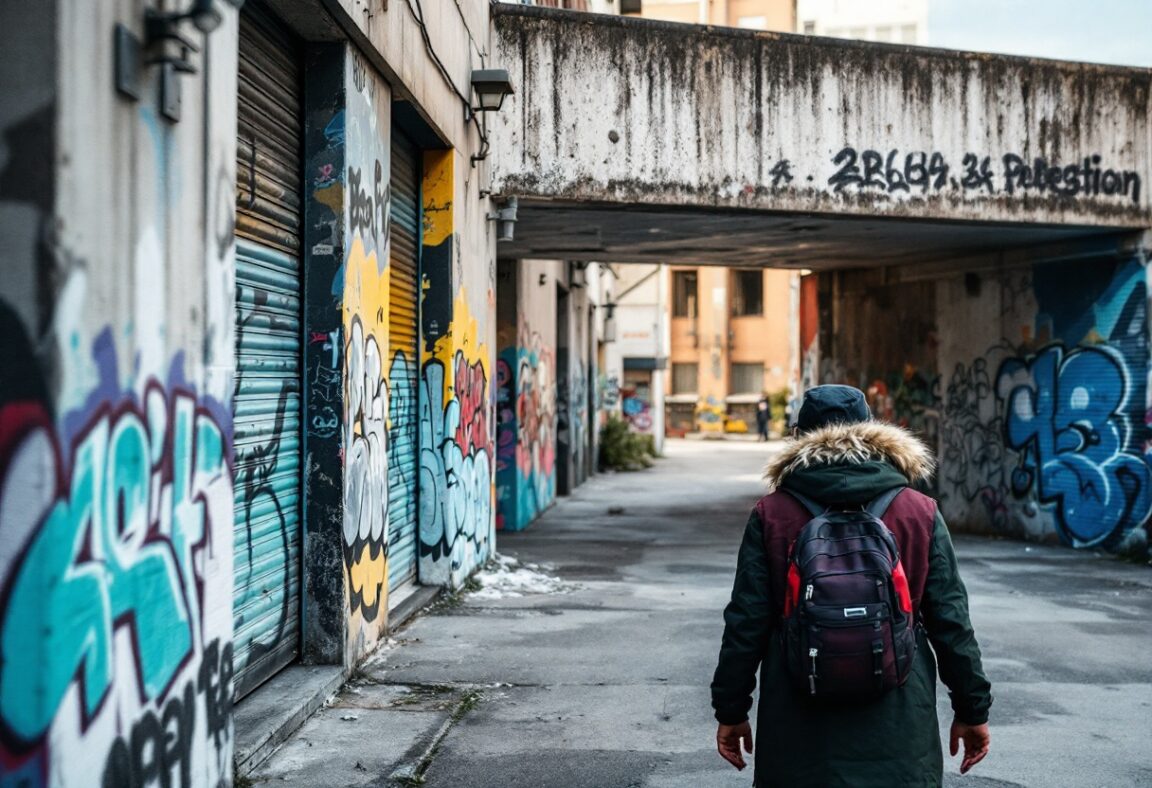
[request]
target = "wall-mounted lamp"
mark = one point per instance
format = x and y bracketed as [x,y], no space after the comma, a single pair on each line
[609,322]
[491,85]
[505,218]
[164,45]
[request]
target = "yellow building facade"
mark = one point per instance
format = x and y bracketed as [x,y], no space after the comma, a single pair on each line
[732,340]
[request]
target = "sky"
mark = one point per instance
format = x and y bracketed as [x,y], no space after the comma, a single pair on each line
[1095,31]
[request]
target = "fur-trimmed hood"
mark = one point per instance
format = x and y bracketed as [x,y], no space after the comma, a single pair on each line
[853,444]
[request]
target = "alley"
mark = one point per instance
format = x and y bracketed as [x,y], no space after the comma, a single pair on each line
[602,682]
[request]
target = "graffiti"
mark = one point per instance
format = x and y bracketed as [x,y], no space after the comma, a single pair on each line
[455,475]
[972,446]
[111,555]
[324,385]
[369,213]
[265,583]
[117,547]
[471,391]
[924,172]
[579,420]
[366,468]
[160,743]
[505,415]
[781,172]
[505,435]
[535,426]
[609,391]
[360,77]
[1065,414]
[637,409]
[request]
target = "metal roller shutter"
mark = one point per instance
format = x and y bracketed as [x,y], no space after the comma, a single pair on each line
[267,402]
[403,320]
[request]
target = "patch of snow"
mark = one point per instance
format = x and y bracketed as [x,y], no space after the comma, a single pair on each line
[505,576]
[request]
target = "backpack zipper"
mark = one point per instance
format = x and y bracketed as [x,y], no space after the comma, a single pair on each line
[812,676]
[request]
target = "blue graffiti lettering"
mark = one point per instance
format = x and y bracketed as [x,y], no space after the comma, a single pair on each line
[1065,411]
[114,544]
[455,487]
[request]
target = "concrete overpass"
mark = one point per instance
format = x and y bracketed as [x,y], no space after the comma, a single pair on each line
[633,140]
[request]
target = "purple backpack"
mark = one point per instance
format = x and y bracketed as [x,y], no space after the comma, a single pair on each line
[848,630]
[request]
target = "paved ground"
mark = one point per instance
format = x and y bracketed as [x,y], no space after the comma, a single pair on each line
[606,686]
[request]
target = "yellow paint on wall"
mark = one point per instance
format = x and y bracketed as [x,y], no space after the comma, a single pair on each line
[368,576]
[462,336]
[331,195]
[437,187]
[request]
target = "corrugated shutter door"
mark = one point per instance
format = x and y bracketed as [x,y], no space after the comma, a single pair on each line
[267,403]
[403,338]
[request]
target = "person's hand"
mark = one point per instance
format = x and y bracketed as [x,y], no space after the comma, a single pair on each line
[728,740]
[976,740]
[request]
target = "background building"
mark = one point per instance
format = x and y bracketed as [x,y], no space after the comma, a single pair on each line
[777,15]
[634,381]
[733,339]
[885,21]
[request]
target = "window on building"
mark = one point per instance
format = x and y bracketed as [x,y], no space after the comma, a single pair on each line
[810,28]
[746,379]
[884,33]
[858,33]
[753,22]
[685,378]
[683,294]
[747,293]
[908,34]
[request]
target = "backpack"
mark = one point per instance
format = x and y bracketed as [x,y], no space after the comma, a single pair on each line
[848,627]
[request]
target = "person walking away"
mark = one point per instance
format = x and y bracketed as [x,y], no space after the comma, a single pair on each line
[763,416]
[834,712]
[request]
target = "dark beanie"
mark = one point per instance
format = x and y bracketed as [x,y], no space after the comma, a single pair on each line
[826,405]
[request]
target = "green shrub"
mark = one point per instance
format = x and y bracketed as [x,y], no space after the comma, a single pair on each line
[624,450]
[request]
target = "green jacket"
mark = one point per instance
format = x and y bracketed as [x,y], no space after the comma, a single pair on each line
[894,741]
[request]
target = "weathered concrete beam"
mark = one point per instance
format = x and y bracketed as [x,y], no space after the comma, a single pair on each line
[621,110]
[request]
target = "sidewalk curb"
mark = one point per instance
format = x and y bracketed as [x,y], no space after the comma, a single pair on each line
[250,755]
[266,732]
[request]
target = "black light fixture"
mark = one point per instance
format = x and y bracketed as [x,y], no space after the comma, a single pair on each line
[491,85]
[164,45]
[609,334]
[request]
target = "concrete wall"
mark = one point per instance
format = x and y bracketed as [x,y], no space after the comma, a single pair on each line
[776,122]
[1031,381]
[115,422]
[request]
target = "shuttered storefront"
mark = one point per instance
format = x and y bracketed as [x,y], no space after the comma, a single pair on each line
[266,604]
[402,338]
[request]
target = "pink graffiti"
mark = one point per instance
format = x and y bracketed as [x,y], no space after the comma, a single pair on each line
[471,392]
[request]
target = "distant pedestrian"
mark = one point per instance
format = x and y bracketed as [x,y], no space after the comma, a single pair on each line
[847,681]
[763,416]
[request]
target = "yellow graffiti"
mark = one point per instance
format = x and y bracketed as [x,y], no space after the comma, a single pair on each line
[365,316]
[367,575]
[331,195]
